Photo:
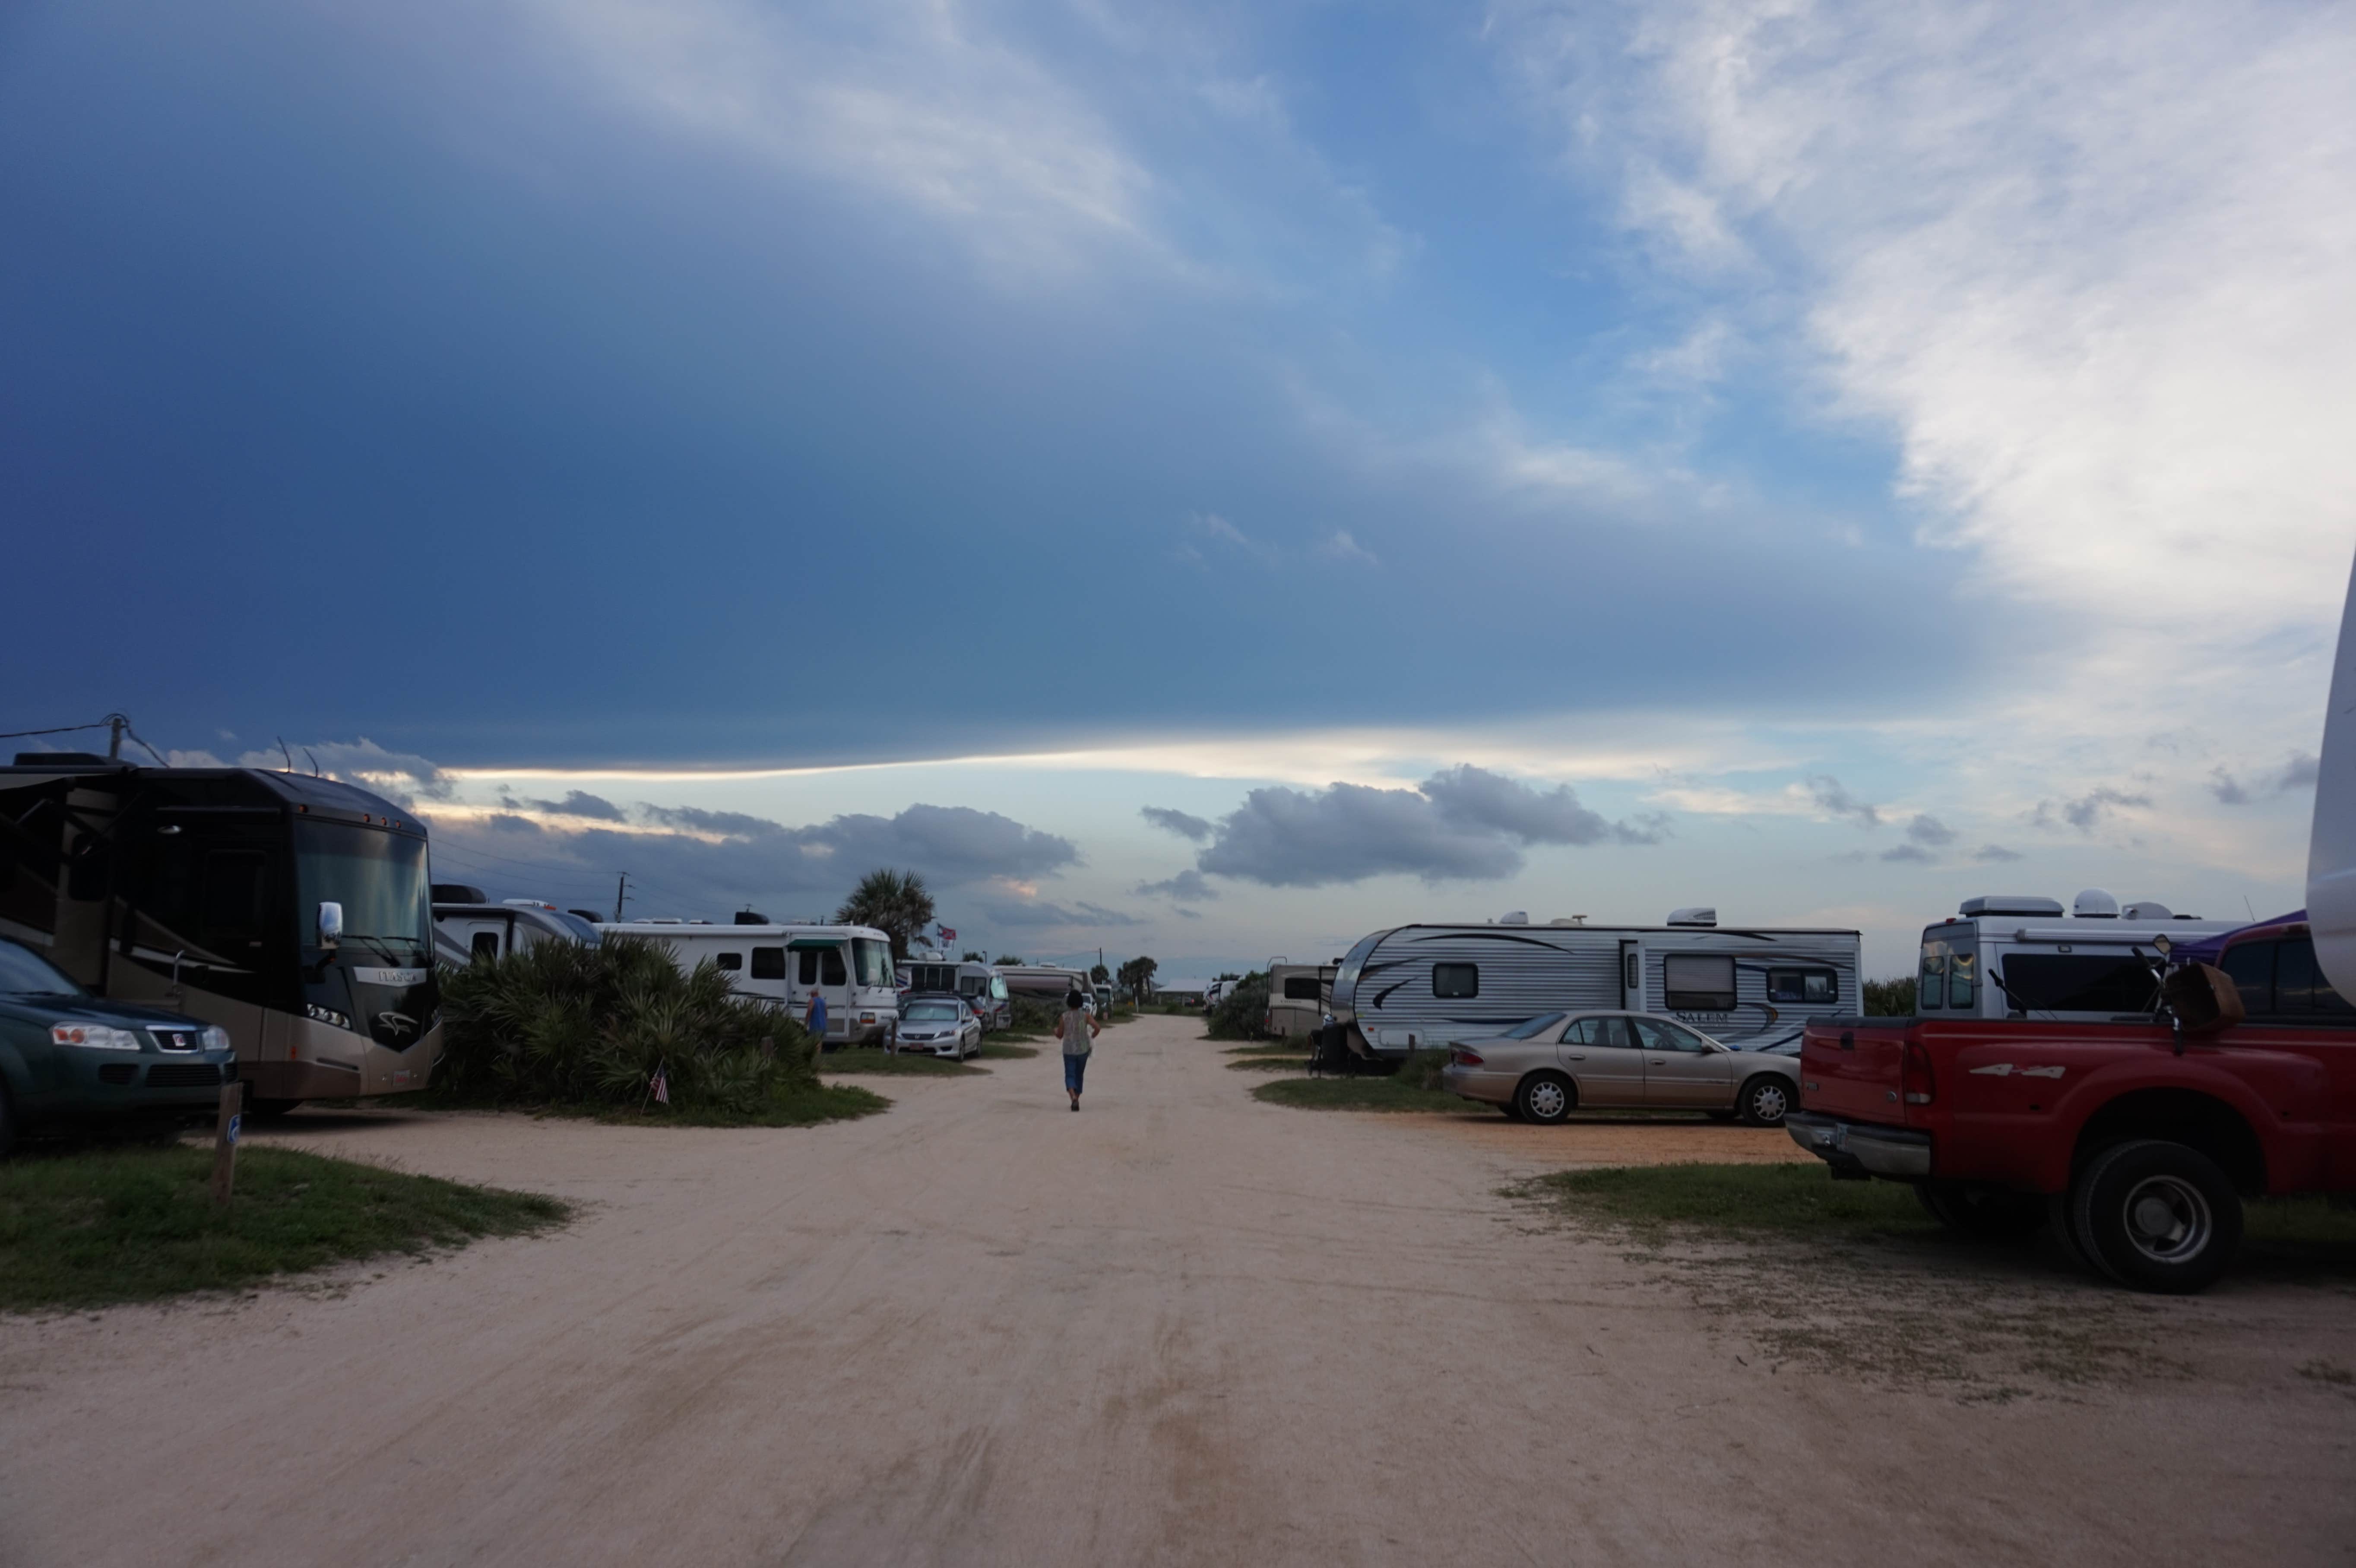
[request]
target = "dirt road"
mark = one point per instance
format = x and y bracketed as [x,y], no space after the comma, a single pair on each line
[1180,1327]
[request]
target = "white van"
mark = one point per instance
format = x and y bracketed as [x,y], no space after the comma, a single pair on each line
[2017,956]
[849,965]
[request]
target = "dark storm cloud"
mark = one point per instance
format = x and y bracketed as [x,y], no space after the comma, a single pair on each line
[579,803]
[1465,824]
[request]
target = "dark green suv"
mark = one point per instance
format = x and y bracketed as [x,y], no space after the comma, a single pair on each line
[68,1058]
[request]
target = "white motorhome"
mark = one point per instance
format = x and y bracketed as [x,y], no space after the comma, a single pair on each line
[2017,957]
[849,965]
[983,988]
[468,925]
[1416,987]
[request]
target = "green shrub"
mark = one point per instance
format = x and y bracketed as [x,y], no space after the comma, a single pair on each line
[1240,1012]
[1889,998]
[559,1023]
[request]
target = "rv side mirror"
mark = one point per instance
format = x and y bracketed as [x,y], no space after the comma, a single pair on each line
[331,925]
[2204,998]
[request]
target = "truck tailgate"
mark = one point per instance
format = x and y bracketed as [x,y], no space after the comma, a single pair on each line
[1848,1069]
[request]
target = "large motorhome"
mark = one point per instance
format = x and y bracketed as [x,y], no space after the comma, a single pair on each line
[291,910]
[2004,956]
[1416,987]
[1298,997]
[468,925]
[849,965]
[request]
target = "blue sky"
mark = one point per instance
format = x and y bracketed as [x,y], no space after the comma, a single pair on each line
[1821,460]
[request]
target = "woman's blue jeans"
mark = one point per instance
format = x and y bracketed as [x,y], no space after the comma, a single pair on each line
[1074,1069]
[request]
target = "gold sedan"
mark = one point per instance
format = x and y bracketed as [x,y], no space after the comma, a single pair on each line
[1548,1068]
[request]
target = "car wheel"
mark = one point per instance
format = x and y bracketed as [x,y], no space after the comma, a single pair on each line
[1510,1111]
[1764,1101]
[1985,1213]
[2157,1216]
[1545,1098]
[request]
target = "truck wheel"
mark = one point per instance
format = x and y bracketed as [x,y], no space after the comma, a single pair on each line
[2157,1216]
[1764,1101]
[1984,1213]
[1545,1098]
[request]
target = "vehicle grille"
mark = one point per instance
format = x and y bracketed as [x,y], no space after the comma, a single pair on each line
[190,1075]
[117,1073]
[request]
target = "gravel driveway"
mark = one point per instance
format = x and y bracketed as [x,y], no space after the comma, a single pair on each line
[1180,1327]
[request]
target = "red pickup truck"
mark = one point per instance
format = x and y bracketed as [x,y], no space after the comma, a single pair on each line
[2138,1139]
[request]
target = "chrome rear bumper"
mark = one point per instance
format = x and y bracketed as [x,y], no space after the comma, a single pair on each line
[1900,1153]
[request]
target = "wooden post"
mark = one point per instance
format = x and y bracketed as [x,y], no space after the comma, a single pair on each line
[225,1130]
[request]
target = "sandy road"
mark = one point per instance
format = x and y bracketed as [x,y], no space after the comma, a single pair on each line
[1178,1327]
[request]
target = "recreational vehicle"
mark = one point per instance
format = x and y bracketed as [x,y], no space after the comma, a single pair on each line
[290,910]
[1298,997]
[983,988]
[1417,987]
[468,925]
[2017,957]
[1046,982]
[849,965]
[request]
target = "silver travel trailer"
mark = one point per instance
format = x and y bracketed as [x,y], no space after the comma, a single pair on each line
[292,910]
[1298,997]
[849,965]
[2004,956]
[1046,982]
[1415,987]
[468,925]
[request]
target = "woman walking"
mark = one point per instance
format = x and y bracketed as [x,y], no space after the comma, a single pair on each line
[1077,1030]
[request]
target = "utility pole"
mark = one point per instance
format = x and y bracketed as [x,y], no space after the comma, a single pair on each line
[621,894]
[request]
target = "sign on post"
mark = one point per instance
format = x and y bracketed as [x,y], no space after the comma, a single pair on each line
[225,1130]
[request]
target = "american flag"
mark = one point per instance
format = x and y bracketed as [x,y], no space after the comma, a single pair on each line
[661,1086]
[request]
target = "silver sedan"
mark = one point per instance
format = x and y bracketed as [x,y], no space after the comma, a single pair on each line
[939,1026]
[1550,1066]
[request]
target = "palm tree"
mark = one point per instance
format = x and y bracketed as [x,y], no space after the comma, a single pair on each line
[1138,973]
[896,904]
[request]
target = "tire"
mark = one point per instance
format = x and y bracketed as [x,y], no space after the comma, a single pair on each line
[1546,1099]
[2157,1216]
[1719,1115]
[1983,1213]
[1764,1101]
[1509,1111]
[268,1110]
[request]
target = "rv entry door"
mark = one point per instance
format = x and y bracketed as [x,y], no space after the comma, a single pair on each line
[817,967]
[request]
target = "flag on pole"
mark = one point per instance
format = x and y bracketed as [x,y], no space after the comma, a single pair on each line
[661,1086]
[948,934]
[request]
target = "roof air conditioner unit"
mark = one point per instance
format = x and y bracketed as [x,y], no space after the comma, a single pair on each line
[459,893]
[1692,915]
[1516,917]
[2009,903]
[2094,904]
[2145,908]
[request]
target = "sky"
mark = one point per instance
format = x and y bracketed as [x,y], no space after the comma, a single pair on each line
[1204,480]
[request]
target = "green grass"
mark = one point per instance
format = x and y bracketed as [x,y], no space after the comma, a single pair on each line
[803,1105]
[1268,1064]
[1269,1047]
[100,1226]
[1362,1095]
[904,1065]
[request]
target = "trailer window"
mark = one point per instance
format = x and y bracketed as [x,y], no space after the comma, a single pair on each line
[1300,988]
[768,962]
[1803,985]
[2079,983]
[1698,982]
[1931,986]
[486,945]
[732,962]
[1962,989]
[1455,979]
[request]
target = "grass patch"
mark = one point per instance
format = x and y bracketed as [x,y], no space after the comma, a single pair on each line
[1269,1064]
[1267,1048]
[101,1226]
[787,1105]
[1746,1199]
[1362,1095]
[1000,1050]
[903,1064]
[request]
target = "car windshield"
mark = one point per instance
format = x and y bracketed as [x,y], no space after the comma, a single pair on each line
[379,877]
[25,973]
[931,1012]
[1535,1028]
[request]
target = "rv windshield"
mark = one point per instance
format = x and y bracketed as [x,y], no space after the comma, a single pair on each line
[872,960]
[379,877]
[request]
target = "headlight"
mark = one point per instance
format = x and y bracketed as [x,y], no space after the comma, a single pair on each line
[95,1037]
[216,1038]
[326,1014]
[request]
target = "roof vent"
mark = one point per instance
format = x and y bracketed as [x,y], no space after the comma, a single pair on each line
[1515,917]
[2145,908]
[2009,903]
[2094,904]
[1568,920]
[1692,915]
[459,893]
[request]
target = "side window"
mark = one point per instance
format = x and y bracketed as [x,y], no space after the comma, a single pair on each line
[1609,1034]
[1455,979]
[1580,1032]
[809,966]
[1931,986]
[1961,991]
[1663,1037]
[1820,987]
[2300,990]
[836,973]
[768,962]
[1632,973]
[232,894]
[1300,988]
[2252,967]
[486,945]
[1698,982]
[731,962]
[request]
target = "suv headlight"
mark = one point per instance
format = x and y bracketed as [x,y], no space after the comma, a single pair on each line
[216,1038]
[95,1037]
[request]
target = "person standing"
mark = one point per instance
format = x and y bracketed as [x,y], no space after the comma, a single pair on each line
[814,1019]
[1077,1030]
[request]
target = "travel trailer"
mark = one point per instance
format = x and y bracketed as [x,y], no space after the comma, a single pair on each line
[468,925]
[292,910]
[1046,982]
[983,988]
[1417,987]
[2017,957]
[1299,996]
[849,965]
